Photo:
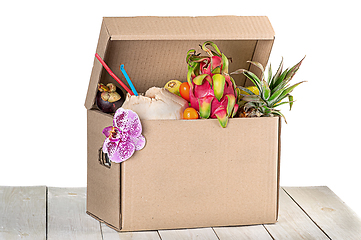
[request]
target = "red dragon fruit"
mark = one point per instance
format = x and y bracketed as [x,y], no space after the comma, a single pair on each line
[212,90]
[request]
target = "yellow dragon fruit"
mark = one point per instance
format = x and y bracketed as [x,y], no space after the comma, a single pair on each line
[212,90]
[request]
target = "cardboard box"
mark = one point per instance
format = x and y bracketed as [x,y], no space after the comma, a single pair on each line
[191,173]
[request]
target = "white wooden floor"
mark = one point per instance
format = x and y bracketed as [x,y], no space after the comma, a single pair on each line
[59,213]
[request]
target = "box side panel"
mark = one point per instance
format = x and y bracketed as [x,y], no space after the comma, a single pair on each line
[261,54]
[103,183]
[196,174]
[190,28]
[97,67]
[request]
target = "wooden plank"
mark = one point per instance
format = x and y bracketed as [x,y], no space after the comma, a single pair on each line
[111,234]
[188,234]
[328,211]
[23,213]
[67,218]
[244,232]
[293,223]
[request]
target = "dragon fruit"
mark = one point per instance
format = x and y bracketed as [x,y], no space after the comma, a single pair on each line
[212,90]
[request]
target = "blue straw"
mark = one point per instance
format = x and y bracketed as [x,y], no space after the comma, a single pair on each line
[128,79]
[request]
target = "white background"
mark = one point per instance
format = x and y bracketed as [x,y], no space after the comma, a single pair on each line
[47,52]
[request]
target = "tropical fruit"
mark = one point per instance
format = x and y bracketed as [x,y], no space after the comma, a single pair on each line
[272,91]
[212,90]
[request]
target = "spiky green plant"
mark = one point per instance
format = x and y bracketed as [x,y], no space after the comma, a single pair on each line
[272,92]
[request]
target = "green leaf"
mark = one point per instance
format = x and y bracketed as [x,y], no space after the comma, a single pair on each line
[276,112]
[225,64]
[259,65]
[288,90]
[218,85]
[269,75]
[293,70]
[266,91]
[199,79]
[216,70]
[249,92]
[281,103]
[205,106]
[230,104]
[239,71]
[290,99]
[278,82]
[189,75]
[278,73]
[204,48]
[255,80]
[274,98]
[252,98]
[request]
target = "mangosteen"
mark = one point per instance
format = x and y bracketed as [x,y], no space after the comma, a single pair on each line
[109,98]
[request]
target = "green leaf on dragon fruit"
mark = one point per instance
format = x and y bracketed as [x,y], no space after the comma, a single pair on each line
[221,114]
[216,70]
[189,75]
[204,48]
[230,104]
[225,64]
[218,85]
[199,79]
[205,106]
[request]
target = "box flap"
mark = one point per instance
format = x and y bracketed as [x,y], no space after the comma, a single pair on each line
[189,28]
[153,49]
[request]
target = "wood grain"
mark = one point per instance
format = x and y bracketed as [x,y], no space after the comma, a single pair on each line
[23,213]
[59,213]
[328,211]
[188,234]
[67,218]
[293,223]
[244,232]
[111,234]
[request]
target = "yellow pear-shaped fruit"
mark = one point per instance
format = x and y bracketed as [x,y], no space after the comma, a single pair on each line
[173,86]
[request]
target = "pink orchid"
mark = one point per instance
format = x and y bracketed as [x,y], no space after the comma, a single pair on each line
[124,137]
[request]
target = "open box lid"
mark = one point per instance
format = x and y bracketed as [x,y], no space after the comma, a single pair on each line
[153,49]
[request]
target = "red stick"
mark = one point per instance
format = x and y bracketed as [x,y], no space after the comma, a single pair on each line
[112,74]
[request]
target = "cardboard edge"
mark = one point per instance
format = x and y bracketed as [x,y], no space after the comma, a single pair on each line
[278,166]
[182,23]
[102,221]
[104,38]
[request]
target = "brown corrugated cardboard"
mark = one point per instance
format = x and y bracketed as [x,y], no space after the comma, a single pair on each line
[190,173]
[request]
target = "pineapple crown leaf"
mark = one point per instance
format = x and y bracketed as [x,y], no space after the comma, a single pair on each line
[249,92]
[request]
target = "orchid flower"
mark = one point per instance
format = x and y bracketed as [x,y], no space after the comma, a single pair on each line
[124,137]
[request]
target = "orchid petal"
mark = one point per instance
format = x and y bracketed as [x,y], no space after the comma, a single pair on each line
[120,119]
[107,131]
[134,125]
[123,151]
[205,106]
[139,142]
[109,147]
[127,121]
